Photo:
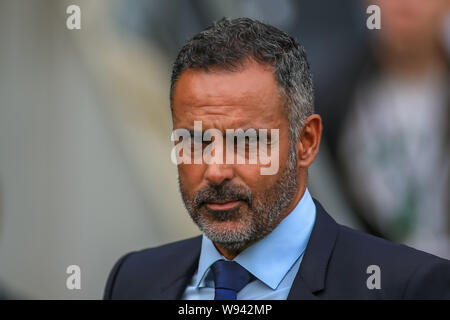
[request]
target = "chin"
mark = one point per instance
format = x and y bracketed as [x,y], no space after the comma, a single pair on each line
[226,231]
[227,227]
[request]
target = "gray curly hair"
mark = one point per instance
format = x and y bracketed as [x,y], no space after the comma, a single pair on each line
[229,43]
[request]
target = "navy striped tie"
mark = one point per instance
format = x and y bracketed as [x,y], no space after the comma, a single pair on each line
[229,278]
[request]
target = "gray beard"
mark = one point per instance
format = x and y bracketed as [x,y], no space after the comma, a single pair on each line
[264,212]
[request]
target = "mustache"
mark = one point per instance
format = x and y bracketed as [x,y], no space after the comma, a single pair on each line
[222,193]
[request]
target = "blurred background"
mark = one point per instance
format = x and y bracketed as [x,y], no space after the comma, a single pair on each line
[85,170]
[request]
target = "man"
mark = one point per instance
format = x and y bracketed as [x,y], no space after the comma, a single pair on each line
[264,237]
[405,67]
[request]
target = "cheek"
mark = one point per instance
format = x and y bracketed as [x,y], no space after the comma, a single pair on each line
[284,151]
[251,174]
[251,177]
[190,176]
[284,143]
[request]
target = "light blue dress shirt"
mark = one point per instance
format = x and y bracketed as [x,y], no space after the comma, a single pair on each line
[274,260]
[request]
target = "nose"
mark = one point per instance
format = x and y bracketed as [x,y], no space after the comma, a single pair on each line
[218,173]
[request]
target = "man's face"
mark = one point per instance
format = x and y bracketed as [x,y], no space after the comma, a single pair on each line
[410,24]
[233,204]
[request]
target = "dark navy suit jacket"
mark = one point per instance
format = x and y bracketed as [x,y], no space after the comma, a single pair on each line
[334,266]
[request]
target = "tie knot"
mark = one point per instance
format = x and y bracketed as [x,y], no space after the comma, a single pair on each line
[230,275]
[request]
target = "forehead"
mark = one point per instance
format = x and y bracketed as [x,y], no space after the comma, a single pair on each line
[248,97]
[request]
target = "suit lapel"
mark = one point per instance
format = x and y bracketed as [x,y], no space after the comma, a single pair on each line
[310,278]
[180,275]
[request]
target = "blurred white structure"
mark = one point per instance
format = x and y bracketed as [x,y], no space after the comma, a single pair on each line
[73,191]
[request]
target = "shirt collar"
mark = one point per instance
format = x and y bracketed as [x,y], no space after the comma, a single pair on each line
[272,257]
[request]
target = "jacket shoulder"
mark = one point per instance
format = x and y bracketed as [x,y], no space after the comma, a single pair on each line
[404,272]
[374,247]
[149,266]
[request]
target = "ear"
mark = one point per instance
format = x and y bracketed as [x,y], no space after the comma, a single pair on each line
[309,141]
